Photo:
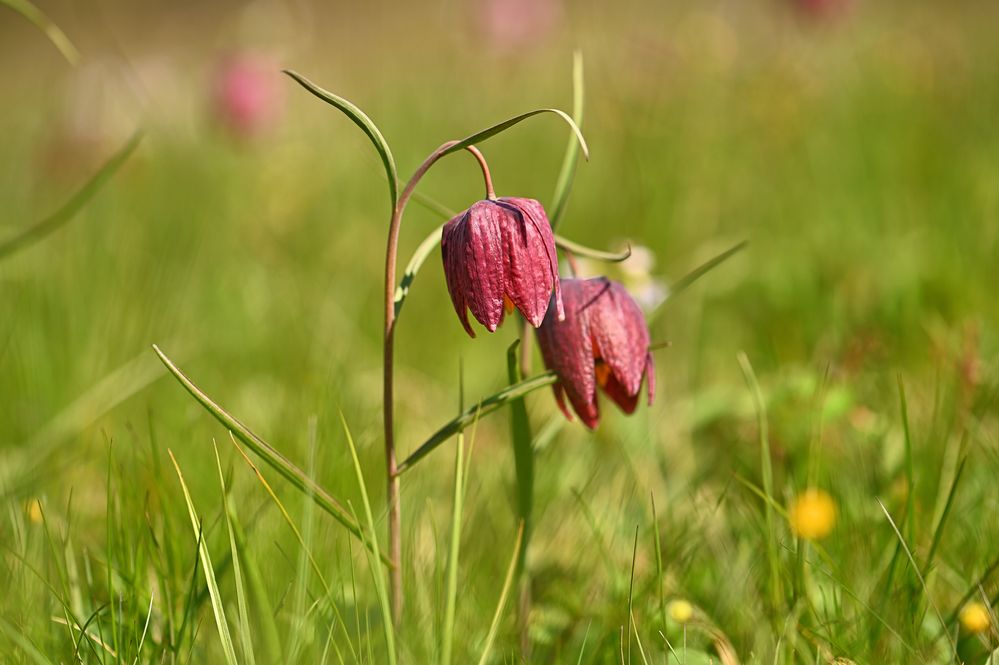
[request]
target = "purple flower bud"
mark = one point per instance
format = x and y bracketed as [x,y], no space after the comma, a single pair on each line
[602,341]
[500,254]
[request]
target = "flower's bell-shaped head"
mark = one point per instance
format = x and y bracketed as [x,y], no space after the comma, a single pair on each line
[602,341]
[500,254]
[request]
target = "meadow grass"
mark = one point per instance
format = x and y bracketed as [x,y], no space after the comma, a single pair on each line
[850,347]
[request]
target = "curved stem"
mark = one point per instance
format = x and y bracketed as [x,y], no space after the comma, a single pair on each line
[490,194]
[388,404]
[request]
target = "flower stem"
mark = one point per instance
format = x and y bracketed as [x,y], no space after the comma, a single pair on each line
[391,463]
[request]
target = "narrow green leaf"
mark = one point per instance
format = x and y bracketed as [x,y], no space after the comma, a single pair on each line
[451,591]
[766,467]
[563,186]
[360,119]
[229,511]
[922,582]
[523,454]
[377,572]
[687,280]
[206,564]
[489,132]
[298,478]
[589,253]
[469,416]
[55,34]
[43,228]
[504,594]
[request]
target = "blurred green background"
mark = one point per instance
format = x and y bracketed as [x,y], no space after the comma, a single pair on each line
[854,144]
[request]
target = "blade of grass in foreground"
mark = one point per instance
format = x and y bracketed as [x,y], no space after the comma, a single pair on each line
[229,511]
[33,234]
[55,34]
[768,479]
[268,453]
[381,584]
[206,564]
[482,408]
[915,568]
[504,594]
[563,186]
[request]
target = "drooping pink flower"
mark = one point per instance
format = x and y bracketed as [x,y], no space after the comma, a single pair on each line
[500,254]
[603,341]
[247,95]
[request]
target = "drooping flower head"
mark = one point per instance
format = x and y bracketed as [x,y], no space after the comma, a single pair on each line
[500,254]
[602,342]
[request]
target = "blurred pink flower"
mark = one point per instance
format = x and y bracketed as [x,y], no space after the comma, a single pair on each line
[511,25]
[602,342]
[247,95]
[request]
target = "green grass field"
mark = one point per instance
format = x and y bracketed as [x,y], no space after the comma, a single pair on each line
[857,154]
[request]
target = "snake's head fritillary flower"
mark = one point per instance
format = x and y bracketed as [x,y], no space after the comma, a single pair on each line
[603,341]
[500,255]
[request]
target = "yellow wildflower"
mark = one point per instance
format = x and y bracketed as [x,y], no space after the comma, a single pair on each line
[975,617]
[813,515]
[34,510]
[681,611]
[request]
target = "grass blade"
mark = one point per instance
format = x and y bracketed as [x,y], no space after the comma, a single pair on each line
[377,572]
[451,593]
[57,219]
[589,253]
[504,594]
[298,478]
[206,565]
[55,34]
[915,568]
[359,118]
[563,186]
[229,510]
[766,469]
[482,408]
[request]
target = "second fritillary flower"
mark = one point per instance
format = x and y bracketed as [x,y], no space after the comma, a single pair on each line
[602,342]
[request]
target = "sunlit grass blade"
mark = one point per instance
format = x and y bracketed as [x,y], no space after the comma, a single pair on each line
[299,538]
[682,284]
[659,563]
[504,594]
[766,470]
[919,575]
[563,186]
[298,478]
[522,439]
[229,511]
[942,522]
[377,572]
[489,132]
[482,408]
[55,34]
[218,609]
[590,253]
[23,643]
[457,513]
[359,118]
[57,219]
